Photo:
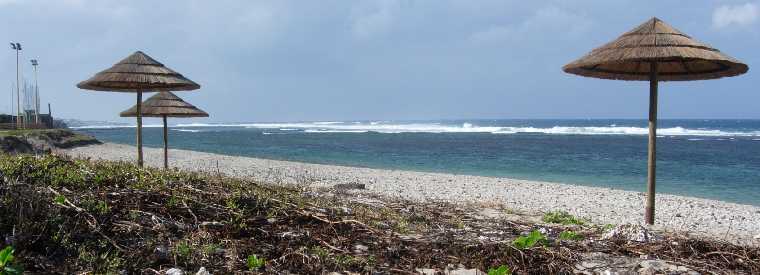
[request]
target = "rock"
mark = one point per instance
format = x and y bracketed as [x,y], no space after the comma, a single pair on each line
[212,224]
[202,271]
[662,267]
[657,265]
[161,252]
[360,248]
[602,263]
[463,271]
[175,271]
[631,233]
[345,210]
[757,237]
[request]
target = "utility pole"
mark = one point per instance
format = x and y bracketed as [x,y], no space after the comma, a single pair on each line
[17,47]
[36,93]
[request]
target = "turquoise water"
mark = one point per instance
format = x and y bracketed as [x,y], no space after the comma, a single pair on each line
[716,159]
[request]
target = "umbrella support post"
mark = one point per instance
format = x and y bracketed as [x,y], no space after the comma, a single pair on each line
[139,130]
[166,145]
[651,157]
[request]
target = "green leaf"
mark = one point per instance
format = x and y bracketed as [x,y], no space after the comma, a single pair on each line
[501,270]
[6,255]
[254,262]
[11,270]
[535,237]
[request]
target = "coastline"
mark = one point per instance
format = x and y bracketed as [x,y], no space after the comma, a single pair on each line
[701,217]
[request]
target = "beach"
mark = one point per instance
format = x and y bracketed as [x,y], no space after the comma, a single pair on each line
[694,216]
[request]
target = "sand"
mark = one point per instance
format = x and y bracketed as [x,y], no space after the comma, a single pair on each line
[701,217]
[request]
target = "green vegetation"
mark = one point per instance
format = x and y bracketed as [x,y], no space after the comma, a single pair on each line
[183,250]
[60,199]
[74,216]
[534,238]
[501,270]
[562,217]
[254,262]
[570,236]
[7,264]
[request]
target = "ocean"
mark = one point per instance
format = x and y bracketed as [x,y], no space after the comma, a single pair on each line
[714,159]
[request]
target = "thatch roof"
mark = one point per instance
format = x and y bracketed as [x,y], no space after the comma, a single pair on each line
[678,57]
[138,72]
[165,104]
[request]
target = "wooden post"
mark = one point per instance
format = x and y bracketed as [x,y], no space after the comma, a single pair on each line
[166,145]
[652,156]
[139,129]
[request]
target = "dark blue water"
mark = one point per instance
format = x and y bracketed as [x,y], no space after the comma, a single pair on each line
[716,159]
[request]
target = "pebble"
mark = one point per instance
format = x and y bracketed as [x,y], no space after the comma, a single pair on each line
[702,217]
[202,271]
[175,271]
[360,248]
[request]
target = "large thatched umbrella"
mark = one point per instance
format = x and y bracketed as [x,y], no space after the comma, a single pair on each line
[165,104]
[138,73]
[654,52]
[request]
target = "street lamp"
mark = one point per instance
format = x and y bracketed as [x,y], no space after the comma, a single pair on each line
[17,47]
[36,93]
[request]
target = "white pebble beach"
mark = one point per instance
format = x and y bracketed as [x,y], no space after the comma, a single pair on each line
[736,223]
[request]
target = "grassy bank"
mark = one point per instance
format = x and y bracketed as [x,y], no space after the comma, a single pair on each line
[70,215]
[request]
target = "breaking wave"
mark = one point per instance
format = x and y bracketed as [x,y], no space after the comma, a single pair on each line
[396,127]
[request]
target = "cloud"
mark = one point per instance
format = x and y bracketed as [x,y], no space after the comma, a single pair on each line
[741,15]
[373,17]
[551,21]
[8,2]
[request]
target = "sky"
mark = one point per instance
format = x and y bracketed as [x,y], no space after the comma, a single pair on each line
[327,60]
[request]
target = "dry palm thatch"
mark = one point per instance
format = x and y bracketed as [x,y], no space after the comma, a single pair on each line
[655,51]
[678,57]
[136,73]
[165,104]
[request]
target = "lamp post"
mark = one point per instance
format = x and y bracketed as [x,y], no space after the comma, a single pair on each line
[17,47]
[36,93]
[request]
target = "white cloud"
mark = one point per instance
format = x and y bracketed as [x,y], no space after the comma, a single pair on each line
[551,20]
[741,15]
[373,17]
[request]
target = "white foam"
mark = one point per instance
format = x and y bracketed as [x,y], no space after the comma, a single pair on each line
[116,126]
[333,131]
[396,127]
[187,130]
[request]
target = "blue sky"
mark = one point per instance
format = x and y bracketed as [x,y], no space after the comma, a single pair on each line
[383,59]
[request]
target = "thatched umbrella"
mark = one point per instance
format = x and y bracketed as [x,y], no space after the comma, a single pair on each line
[165,104]
[654,52]
[138,73]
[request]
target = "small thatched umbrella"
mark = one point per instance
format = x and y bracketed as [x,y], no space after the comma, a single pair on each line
[165,104]
[138,73]
[654,52]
